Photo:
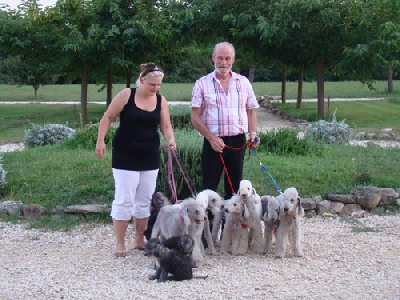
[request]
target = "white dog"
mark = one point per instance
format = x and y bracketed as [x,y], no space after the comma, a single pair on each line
[270,216]
[289,229]
[252,200]
[212,201]
[235,236]
[174,220]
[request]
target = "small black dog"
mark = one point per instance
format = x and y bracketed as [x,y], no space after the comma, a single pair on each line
[158,200]
[183,245]
[174,257]
[172,262]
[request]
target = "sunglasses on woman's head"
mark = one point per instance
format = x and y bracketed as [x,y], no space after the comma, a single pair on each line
[151,68]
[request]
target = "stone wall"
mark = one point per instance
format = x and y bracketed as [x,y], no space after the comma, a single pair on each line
[360,201]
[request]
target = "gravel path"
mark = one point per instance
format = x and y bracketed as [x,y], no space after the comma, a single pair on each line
[357,259]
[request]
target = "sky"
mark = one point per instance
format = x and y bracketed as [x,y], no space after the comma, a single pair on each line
[14,3]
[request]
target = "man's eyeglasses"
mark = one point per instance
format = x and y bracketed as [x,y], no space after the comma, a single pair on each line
[151,68]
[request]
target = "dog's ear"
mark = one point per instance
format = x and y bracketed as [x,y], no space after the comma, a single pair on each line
[254,192]
[298,204]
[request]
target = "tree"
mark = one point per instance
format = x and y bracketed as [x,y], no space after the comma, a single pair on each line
[25,34]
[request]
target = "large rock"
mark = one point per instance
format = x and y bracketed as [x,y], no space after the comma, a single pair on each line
[369,201]
[33,211]
[308,204]
[345,199]
[388,196]
[11,207]
[330,207]
[349,209]
[88,208]
[368,197]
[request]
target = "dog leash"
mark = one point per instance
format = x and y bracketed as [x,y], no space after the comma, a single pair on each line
[252,149]
[171,178]
[249,144]
[263,170]
[223,164]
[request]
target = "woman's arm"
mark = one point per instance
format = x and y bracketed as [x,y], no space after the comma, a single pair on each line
[113,110]
[165,124]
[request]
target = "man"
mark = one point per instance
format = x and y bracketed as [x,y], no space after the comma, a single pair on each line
[223,104]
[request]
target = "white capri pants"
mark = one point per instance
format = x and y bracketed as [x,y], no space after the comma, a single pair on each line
[133,192]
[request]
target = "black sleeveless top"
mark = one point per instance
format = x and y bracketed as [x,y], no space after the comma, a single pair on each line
[136,144]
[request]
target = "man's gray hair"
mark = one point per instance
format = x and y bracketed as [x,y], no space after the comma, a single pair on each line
[224,44]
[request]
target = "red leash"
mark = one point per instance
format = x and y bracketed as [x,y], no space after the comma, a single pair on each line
[247,144]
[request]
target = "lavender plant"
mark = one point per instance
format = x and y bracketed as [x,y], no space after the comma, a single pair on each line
[47,134]
[332,132]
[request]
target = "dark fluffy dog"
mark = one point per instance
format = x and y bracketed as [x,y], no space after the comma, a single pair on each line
[183,245]
[174,257]
[158,200]
[171,262]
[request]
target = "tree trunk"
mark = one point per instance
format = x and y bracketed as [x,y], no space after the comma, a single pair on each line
[390,79]
[109,86]
[128,79]
[320,86]
[283,92]
[84,92]
[300,88]
[251,74]
[36,87]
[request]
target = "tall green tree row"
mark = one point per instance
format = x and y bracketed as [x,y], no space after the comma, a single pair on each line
[108,38]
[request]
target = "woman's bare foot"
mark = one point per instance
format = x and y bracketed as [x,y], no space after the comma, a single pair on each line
[120,253]
[139,243]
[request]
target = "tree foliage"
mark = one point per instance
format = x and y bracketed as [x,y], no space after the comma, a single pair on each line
[108,39]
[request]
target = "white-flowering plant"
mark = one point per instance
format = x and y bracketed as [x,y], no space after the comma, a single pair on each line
[2,174]
[332,132]
[47,134]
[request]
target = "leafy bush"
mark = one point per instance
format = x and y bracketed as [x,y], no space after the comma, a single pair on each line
[329,132]
[2,175]
[285,141]
[87,137]
[47,134]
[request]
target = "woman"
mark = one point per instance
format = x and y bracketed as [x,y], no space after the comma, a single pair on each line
[136,151]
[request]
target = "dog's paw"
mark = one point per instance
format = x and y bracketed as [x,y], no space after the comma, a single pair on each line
[299,254]
[152,277]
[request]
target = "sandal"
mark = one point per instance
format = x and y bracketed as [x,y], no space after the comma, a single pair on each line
[120,253]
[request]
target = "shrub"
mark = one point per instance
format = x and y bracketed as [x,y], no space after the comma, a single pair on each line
[3,173]
[329,132]
[47,134]
[285,141]
[180,117]
[87,137]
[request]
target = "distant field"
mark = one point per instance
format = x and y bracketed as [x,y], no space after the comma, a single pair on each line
[182,91]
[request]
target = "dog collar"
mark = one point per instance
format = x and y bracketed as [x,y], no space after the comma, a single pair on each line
[293,217]
[244,225]
[181,216]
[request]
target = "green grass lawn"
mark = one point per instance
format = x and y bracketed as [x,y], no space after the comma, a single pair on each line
[183,91]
